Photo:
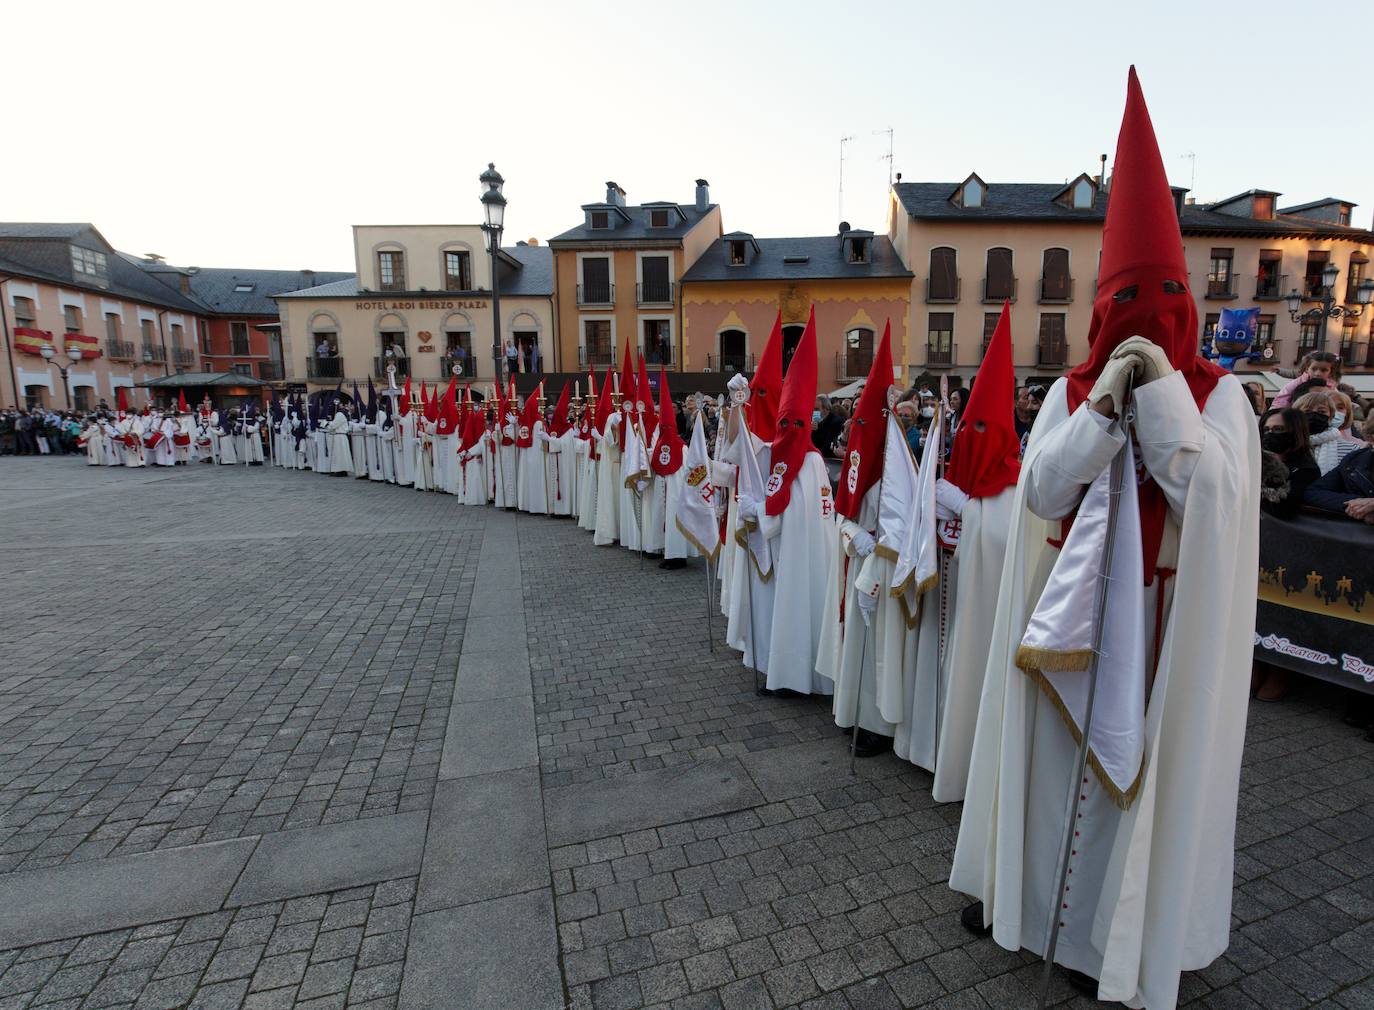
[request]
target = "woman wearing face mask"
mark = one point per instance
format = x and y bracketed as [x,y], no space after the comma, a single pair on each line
[1288,467]
[1324,420]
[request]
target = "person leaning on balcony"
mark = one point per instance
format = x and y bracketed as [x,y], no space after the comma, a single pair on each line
[323,350]
[825,427]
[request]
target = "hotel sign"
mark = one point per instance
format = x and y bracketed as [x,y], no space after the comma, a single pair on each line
[447,303]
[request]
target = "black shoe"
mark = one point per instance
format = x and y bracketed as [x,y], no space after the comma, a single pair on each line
[972,919]
[673,564]
[1083,984]
[765,692]
[848,731]
[867,744]
[653,555]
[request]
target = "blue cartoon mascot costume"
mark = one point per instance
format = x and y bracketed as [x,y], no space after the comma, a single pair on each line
[1233,338]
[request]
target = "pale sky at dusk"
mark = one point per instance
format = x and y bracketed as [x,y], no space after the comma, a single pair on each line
[255,134]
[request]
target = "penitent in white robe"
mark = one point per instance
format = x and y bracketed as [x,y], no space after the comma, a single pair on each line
[476,486]
[446,475]
[110,444]
[535,490]
[750,611]
[631,508]
[675,545]
[422,462]
[505,466]
[133,454]
[357,447]
[407,428]
[562,463]
[608,485]
[1151,893]
[165,453]
[94,441]
[978,561]
[799,540]
[252,442]
[340,454]
[586,484]
[374,446]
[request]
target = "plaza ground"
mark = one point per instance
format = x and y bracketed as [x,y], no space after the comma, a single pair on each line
[276,740]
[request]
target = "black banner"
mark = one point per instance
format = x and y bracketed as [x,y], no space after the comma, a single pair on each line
[1316,598]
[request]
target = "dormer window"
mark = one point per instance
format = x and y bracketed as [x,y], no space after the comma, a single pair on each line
[658,218]
[1263,207]
[1343,217]
[858,250]
[600,220]
[88,261]
[974,193]
[1082,195]
[736,251]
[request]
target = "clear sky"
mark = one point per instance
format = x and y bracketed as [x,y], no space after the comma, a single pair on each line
[255,133]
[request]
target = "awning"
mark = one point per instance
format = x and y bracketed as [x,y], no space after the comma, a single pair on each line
[202,379]
[267,326]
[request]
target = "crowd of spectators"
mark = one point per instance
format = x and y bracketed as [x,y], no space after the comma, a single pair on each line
[39,432]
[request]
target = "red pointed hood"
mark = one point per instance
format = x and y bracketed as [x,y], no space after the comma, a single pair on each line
[181,402]
[863,458]
[644,401]
[446,422]
[793,439]
[766,386]
[667,457]
[529,417]
[560,423]
[1142,249]
[404,407]
[985,459]
[121,400]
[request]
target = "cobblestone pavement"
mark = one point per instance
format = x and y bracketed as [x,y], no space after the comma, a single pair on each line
[236,654]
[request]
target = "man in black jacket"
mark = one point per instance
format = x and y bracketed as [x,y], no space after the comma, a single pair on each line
[1349,488]
[826,426]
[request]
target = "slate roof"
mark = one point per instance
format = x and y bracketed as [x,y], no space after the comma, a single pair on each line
[43,229]
[526,271]
[636,229]
[204,379]
[1313,204]
[1034,201]
[825,261]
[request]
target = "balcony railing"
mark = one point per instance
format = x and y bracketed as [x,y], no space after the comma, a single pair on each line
[119,350]
[240,348]
[1270,288]
[730,364]
[1225,288]
[1056,292]
[183,357]
[463,368]
[324,368]
[595,357]
[1352,353]
[1052,354]
[380,362]
[942,292]
[154,354]
[269,371]
[596,294]
[656,293]
[941,357]
[849,367]
[996,294]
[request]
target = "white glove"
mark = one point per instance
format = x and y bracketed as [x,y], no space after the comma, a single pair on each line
[749,509]
[867,604]
[722,473]
[862,542]
[738,381]
[950,498]
[1153,363]
[1111,384]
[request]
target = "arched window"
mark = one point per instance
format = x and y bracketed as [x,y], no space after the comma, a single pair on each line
[858,352]
[1000,282]
[942,284]
[734,351]
[1056,285]
[391,270]
[791,337]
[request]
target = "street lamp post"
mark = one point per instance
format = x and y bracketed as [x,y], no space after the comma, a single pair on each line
[1328,309]
[51,355]
[494,204]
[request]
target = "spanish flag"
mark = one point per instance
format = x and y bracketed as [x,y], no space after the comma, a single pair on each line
[30,341]
[89,346]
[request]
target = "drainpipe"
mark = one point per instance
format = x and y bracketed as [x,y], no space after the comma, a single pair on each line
[9,348]
[162,339]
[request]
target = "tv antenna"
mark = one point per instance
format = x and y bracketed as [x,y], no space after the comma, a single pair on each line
[843,141]
[888,156]
[1192,172]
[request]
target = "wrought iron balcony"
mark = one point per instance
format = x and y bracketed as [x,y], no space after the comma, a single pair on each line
[596,294]
[996,292]
[944,291]
[1222,289]
[730,364]
[1056,292]
[380,362]
[654,293]
[1052,353]
[941,357]
[324,368]
[851,365]
[1271,287]
[183,357]
[153,354]
[119,350]
[595,357]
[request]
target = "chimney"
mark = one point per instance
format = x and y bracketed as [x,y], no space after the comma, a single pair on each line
[1102,170]
[531,241]
[615,196]
[703,194]
[307,278]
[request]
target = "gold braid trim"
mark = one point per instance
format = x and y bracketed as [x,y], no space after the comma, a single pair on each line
[1032,659]
[633,479]
[742,539]
[687,535]
[1122,800]
[885,552]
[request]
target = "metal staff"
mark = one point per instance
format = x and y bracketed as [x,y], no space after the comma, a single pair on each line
[743,432]
[1104,579]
